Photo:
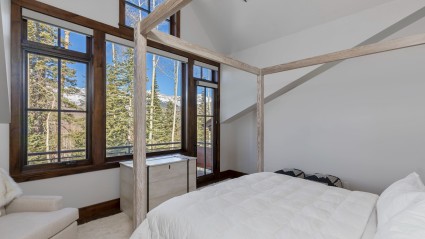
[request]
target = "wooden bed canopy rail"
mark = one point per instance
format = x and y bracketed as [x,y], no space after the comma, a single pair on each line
[144,30]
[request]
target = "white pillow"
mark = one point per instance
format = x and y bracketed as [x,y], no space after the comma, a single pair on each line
[397,197]
[409,224]
[9,190]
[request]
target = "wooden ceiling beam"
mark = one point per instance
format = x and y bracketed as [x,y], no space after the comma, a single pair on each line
[370,49]
[194,49]
[161,13]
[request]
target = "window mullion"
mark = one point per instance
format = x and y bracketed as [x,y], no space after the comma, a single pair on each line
[59,108]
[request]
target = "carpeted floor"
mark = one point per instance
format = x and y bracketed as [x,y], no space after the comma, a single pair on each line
[118,226]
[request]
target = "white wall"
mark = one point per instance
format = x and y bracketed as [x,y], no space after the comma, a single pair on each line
[362,120]
[90,188]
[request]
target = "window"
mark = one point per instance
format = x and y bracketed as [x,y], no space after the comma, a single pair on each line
[206,119]
[135,10]
[72,94]
[202,73]
[164,102]
[56,95]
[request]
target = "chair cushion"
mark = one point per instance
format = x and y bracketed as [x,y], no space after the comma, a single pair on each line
[36,225]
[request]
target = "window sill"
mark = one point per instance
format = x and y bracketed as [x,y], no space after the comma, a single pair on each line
[32,175]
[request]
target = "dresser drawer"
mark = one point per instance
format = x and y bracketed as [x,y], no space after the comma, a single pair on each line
[166,181]
[167,171]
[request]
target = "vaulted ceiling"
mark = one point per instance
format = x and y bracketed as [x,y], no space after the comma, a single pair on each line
[234,25]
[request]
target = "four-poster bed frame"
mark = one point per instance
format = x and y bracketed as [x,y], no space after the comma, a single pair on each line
[144,31]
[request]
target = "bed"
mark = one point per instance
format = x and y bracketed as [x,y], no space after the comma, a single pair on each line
[264,205]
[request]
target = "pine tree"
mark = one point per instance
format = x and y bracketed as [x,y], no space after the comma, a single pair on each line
[119,119]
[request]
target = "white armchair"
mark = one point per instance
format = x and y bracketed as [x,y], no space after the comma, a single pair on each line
[38,217]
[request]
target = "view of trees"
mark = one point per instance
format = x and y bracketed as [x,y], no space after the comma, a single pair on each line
[205,126]
[163,116]
[57,88]
[56,100]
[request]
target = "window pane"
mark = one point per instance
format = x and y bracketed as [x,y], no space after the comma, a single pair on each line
[73,136]
[43,158]
[73,82]
[200,146]
[141,3]
[209,101]
[156,3]
[201,91]
[42,128]
[197,72]
[119,100]
[206,74]
[163,119]
[42,82]
[133,15]
[42,33]
[209,129]
[164,27]
[73,41]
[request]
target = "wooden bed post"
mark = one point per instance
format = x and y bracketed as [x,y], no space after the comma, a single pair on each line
[260,122]
[139,156]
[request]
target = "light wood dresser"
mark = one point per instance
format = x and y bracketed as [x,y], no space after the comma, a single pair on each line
[168,176]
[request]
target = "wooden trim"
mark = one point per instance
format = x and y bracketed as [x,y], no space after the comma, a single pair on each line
[27,176]
[126,33]
[161,13]
[182,45]
[16,84]
[175,24]
[191,111]
[140,195]
[228,174]
[231,174]
[93,212]
[260,123]
[370,49]
[217,125]
[121,9]
[98,94]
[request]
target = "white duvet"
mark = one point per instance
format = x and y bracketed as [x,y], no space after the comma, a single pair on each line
[262,205]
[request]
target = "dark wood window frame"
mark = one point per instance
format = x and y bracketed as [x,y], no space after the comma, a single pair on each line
[60,53]
[97,155]
[216,129]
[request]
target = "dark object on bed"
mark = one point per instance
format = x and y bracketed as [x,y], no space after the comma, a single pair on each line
[329,180]
[292,172]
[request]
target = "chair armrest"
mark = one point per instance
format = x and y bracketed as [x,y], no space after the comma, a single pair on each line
[35,204]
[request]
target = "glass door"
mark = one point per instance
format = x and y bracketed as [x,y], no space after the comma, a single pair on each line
[206,119]
[205,130]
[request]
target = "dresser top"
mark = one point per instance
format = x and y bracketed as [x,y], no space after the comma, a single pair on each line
[161,160]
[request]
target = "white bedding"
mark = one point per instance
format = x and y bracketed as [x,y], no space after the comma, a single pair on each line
[262,205]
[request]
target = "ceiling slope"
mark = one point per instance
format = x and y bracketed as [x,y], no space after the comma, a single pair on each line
[236,25]
[347,32]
